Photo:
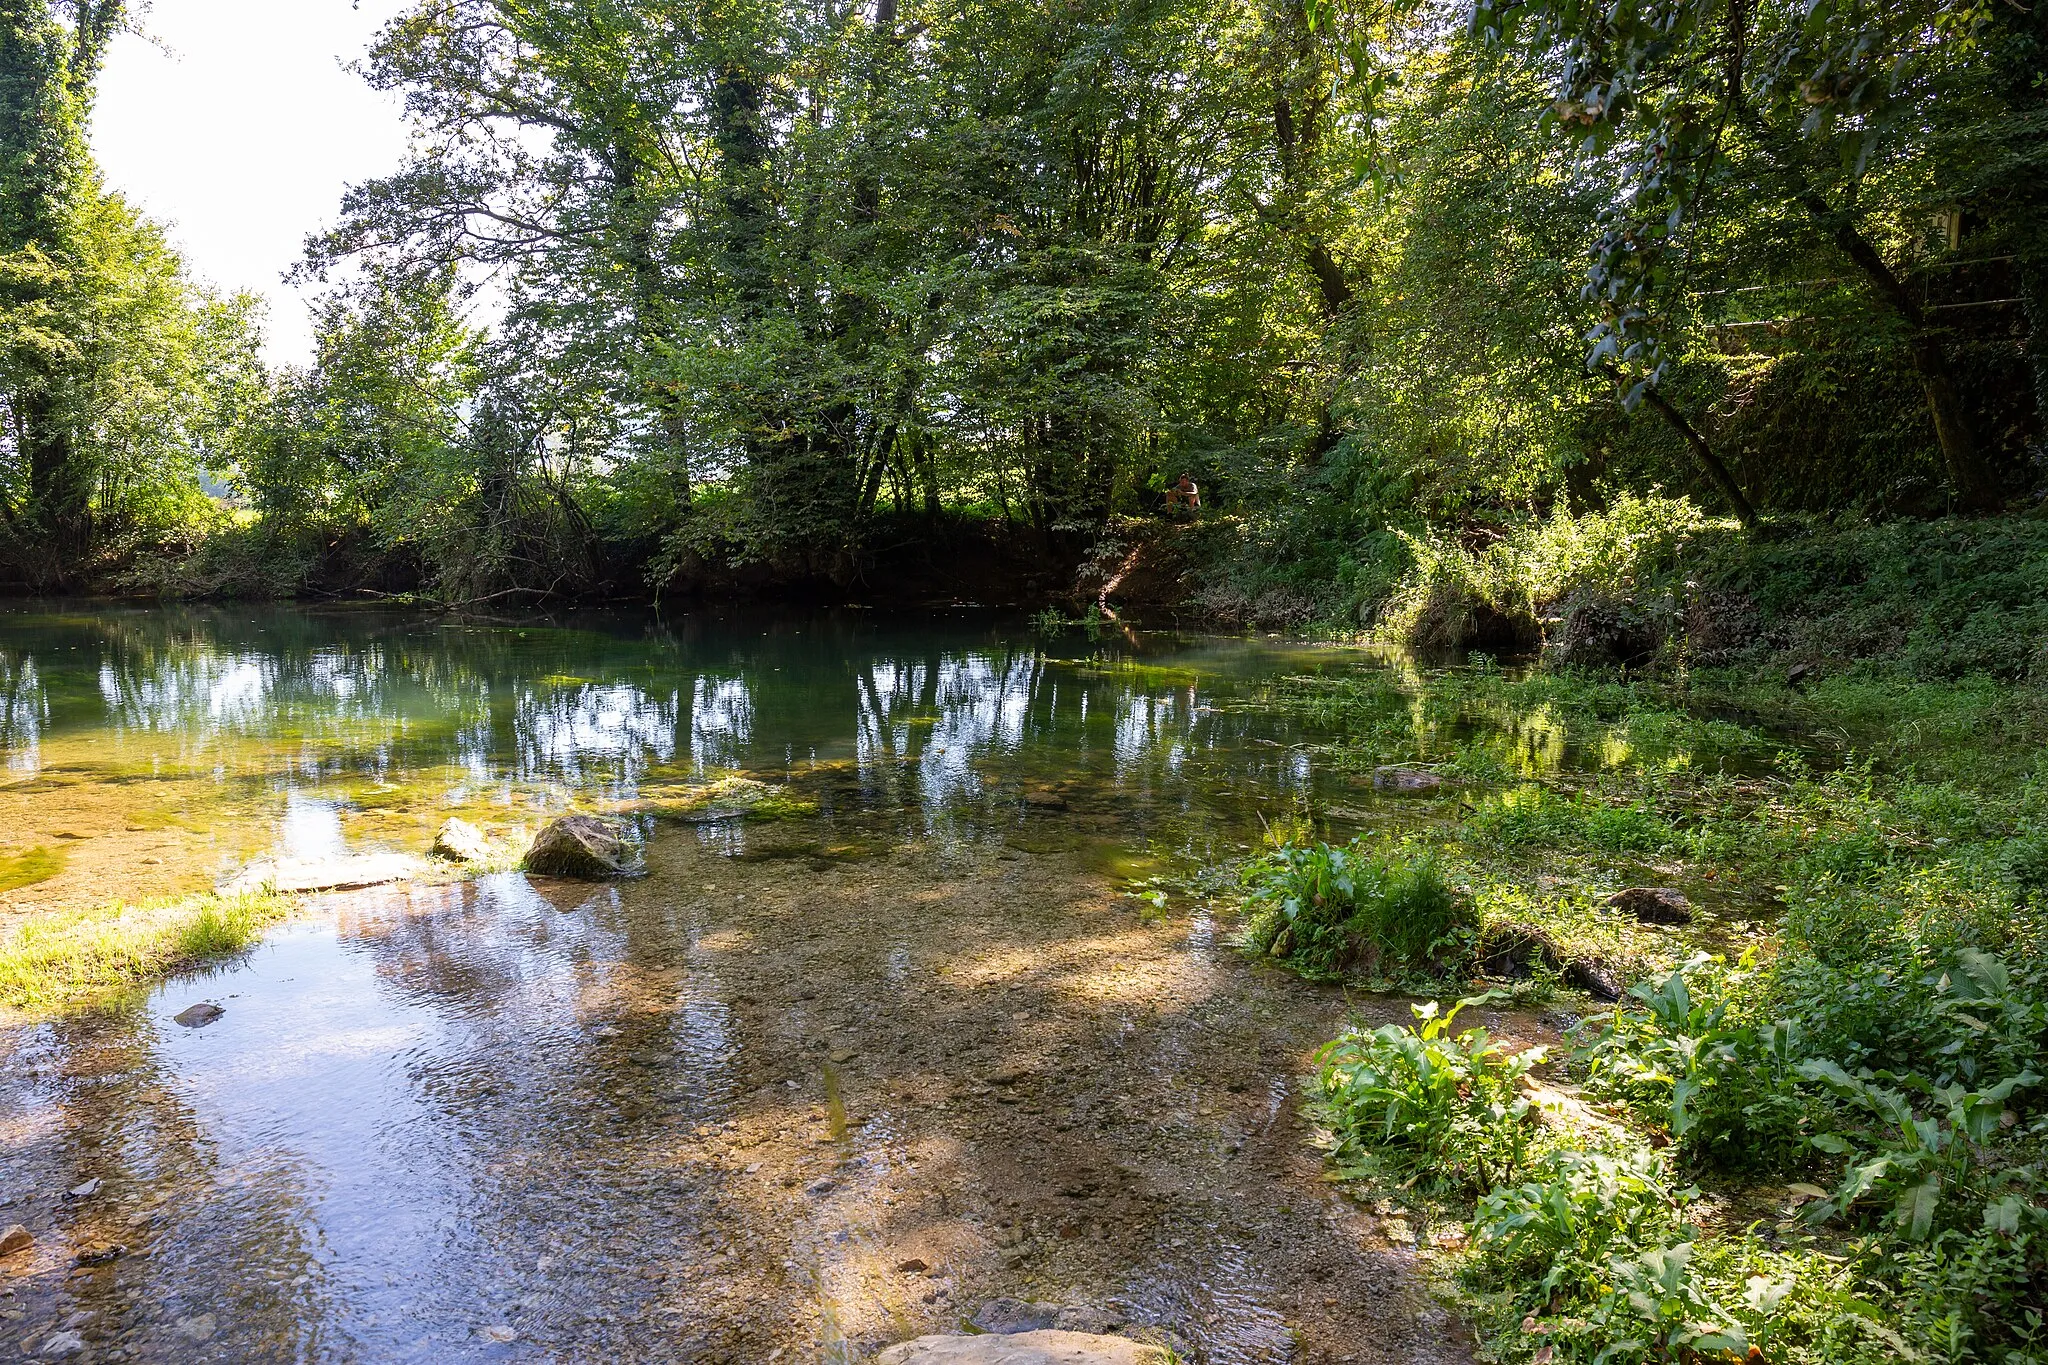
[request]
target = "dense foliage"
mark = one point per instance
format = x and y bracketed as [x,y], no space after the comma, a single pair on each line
[678,295]
[1824,1145]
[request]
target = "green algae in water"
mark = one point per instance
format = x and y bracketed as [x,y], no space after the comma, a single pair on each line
[383,796]
[781,806]
[154,818]
[31,866]
[731,797]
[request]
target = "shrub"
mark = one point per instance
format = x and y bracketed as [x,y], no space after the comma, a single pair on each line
[1556,1231]
[1726,1090]
[1448,1109]
[1331,911]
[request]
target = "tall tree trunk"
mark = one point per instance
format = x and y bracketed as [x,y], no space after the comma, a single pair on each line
[1738,501]
[1975,483]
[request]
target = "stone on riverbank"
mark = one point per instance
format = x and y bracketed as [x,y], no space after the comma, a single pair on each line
[582,848]
[1653,905]
[1405,781]
[1024,1348]
[461,842]
[349,873]
[1594,977]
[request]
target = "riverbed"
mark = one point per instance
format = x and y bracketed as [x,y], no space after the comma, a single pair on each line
[937,1039]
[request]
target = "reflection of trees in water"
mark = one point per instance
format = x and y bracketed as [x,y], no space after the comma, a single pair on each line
[23,709]
[945,719]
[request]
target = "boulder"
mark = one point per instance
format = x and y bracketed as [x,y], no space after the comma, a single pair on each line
[199,1015]
[1405,781]
[1653,904]
[16,1238]
[461,842]
[1024,1348]
[580,847]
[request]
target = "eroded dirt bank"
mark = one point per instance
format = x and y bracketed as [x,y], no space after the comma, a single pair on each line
[788,1105]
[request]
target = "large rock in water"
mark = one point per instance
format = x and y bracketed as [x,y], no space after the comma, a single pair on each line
[582,847]
[1024,1348]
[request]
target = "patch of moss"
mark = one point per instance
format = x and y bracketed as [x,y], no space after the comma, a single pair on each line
[729,797]
[30,866]
[779,805]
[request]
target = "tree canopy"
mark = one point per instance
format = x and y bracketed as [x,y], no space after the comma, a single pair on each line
[686,292]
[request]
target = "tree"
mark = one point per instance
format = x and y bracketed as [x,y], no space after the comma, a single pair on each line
[120,380]
[1831,108]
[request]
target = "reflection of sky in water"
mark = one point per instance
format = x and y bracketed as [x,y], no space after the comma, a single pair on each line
[315,704]
[364,1112]
[310,828]
[22,714]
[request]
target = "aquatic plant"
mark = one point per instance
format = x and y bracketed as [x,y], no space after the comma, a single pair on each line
[1329,911]
[31,866]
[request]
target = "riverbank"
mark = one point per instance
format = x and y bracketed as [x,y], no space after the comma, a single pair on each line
[1813,1127]
[61,960]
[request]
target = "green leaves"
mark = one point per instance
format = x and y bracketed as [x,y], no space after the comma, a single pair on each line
[1448,1108]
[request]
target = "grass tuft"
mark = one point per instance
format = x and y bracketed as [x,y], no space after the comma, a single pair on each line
[60,961]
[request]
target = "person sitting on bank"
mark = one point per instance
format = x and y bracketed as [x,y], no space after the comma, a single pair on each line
[1184,494]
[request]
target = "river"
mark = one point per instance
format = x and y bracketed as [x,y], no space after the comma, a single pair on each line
[813,1085]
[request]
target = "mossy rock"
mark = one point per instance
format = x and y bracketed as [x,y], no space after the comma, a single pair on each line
[726,798]
[581,848]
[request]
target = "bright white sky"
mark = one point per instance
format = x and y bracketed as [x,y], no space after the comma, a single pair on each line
[241,137]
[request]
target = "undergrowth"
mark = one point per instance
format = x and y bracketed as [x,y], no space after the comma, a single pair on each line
[1354,911]
[1824,1140]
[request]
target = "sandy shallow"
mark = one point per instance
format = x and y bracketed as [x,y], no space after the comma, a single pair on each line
[781,1100]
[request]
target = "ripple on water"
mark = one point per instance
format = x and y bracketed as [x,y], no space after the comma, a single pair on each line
[1206,1287]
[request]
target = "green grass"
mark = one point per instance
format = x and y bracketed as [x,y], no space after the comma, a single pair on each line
[68,959]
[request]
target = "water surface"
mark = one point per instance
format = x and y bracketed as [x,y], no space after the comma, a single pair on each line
[811,1086]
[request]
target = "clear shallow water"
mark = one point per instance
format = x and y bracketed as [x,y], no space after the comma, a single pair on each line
[715,1113]
[708,1115]
[156,752]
